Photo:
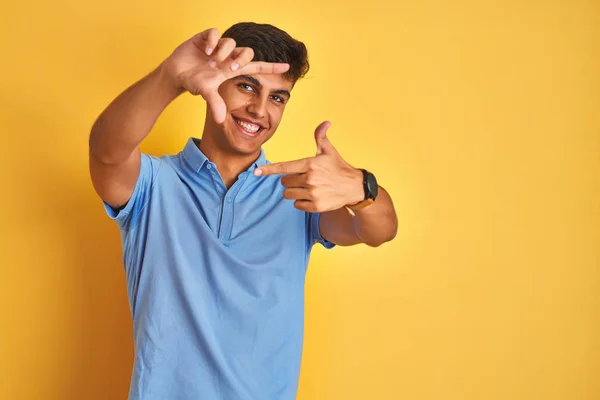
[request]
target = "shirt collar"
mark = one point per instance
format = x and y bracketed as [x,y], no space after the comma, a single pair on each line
[196,158]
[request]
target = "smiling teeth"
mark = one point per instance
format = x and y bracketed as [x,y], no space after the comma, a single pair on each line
[249,127]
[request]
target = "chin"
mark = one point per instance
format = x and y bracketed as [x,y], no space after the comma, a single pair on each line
[242,140]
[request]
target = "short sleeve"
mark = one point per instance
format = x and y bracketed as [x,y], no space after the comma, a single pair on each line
[314,232]
[128,216]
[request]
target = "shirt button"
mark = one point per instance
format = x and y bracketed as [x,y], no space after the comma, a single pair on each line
[229,200]
[208,166]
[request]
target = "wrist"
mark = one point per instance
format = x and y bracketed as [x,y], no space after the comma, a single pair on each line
[370,190]
[167,82]
[357,194]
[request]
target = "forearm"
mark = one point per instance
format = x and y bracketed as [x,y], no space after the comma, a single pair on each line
[377,223]
[129,118]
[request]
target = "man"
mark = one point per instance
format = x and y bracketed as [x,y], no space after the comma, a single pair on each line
[216,241]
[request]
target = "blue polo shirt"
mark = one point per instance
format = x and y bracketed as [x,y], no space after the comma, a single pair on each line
[215,281]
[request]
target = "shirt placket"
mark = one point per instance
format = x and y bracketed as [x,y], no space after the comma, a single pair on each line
[226,209]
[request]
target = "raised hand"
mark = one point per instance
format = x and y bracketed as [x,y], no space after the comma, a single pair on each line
[321,183]
[201,64]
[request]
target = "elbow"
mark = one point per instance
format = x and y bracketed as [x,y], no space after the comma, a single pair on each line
[94,150]
[388,237]
[102,158]
[391,235]
[100,153]
[97,147]
[379,242]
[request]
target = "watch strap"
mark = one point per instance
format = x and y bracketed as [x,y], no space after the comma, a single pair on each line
[367,200]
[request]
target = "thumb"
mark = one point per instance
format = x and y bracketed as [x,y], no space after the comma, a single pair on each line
[217,107]
[323,143]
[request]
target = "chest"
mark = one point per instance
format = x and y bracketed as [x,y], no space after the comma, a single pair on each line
[251,219]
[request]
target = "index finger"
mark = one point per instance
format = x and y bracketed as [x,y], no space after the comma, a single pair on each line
[261,67]
[289,167]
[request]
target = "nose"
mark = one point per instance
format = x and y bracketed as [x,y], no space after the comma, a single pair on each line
[258,107]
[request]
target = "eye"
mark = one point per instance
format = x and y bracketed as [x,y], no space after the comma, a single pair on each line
[278,99]
[246,87]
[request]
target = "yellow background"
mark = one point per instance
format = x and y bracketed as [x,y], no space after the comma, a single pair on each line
[481,118]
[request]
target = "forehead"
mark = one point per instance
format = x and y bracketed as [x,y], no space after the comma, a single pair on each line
[273,81]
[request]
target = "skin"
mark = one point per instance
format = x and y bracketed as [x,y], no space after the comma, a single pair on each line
[260,99]
[199,66]
[235,89]
[326,183]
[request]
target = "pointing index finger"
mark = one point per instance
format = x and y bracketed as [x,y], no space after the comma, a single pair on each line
[289,167]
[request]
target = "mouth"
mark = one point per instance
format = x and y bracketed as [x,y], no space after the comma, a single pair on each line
[248,127]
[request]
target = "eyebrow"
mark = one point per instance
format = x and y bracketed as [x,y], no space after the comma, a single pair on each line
[256,82]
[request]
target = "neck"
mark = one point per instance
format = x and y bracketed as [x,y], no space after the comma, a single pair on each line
[229,164]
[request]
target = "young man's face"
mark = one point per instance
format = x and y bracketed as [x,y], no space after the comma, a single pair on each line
[255,105]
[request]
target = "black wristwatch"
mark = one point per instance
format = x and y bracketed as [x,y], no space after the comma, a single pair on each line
[371,189]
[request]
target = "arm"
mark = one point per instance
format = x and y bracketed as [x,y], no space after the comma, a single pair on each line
[326,183]
[372,225]
[114,153]
[194,67]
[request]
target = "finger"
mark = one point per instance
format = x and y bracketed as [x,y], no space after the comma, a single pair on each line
[217,106]
[290,167]
[323,143]
[294,180]
[207,40]
[305,205]
[260,67]
[224,49]
[297,194]
[240,57]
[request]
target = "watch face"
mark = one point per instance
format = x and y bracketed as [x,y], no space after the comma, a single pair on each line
[372,187]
